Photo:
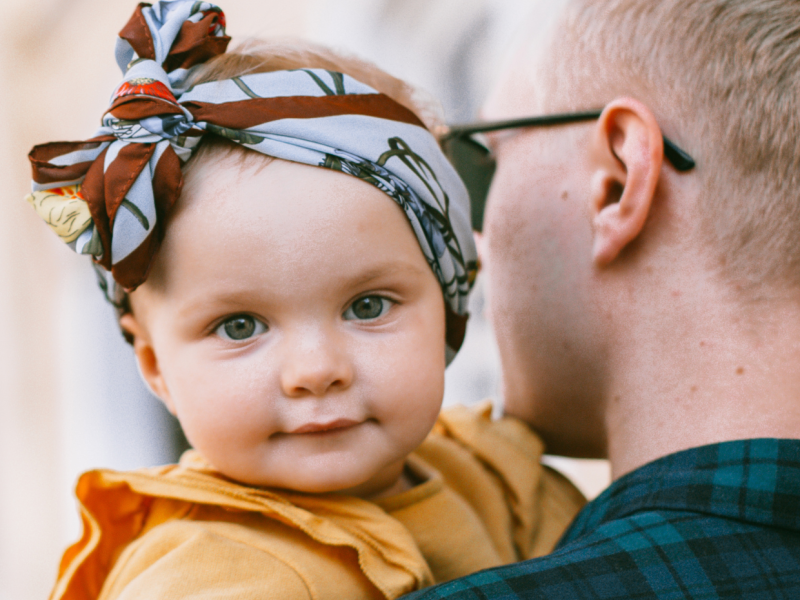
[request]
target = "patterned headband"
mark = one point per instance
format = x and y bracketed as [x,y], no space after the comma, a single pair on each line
[108,197]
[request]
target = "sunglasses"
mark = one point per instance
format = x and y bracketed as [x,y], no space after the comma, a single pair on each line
[475,163]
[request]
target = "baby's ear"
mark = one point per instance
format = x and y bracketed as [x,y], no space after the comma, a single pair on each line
[479,246]
[147,359]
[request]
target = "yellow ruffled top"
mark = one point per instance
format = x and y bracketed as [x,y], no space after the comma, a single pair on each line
[187,531]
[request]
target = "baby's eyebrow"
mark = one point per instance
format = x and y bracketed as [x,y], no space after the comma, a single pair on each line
[239,299]
[231,299]
[379,271]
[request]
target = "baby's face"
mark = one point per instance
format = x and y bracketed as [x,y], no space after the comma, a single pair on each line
[294,327]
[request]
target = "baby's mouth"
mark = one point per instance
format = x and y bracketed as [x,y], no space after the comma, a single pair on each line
[329,427]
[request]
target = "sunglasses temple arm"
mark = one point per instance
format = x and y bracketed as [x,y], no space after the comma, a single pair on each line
[677,157]
[466,130]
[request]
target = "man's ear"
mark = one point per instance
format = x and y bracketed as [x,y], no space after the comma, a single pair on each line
[627,152]
[147,359]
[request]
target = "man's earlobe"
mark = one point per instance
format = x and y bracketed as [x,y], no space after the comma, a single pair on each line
[627,153]
[147,360]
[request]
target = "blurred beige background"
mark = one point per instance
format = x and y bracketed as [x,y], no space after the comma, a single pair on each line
[70,397]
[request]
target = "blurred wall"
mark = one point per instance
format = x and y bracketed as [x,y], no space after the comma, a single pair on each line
[451,48]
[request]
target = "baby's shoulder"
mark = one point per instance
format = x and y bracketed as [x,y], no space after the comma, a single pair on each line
[495,465]
[183,532]
[199,559]
[504,445]
[173,532]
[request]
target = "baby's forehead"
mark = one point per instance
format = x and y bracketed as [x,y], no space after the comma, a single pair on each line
[218,160]
[229,182]
[237,211]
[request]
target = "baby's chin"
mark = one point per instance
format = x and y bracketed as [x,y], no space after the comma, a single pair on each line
[345,477]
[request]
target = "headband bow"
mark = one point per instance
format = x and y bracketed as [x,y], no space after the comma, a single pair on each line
[109,196]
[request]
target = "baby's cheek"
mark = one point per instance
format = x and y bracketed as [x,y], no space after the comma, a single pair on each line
[412,391]
[221,401]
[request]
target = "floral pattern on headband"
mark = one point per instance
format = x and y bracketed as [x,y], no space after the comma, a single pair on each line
[64,210]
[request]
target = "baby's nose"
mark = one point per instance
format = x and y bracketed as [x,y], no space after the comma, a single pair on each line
[315,365]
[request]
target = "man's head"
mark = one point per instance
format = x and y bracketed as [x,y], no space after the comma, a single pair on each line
[592,238]
[723,78]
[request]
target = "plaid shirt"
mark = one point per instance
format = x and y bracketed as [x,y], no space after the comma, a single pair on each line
[720,521]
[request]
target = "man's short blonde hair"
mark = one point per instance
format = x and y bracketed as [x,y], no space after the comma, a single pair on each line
[723,78]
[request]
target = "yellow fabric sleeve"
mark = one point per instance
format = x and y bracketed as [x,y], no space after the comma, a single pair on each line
[184,560]
[494,464]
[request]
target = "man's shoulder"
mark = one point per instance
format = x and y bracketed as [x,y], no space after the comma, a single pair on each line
[655,554]
[716,521]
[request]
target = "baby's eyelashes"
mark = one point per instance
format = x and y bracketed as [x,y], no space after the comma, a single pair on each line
[239,328]
[367,308]
[242,327]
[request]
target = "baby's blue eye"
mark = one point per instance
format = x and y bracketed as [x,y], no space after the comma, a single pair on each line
[240,327]
[366,308]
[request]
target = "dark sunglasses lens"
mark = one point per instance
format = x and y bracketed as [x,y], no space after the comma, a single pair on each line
[475,165]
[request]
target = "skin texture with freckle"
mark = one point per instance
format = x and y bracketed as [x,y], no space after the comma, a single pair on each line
[595,295]
[293,248]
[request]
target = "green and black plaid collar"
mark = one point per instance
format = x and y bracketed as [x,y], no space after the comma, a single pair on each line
[755,481]
[716,522]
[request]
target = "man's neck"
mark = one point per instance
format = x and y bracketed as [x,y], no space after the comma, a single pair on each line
[699,376]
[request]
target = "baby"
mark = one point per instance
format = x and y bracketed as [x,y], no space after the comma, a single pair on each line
[294,304]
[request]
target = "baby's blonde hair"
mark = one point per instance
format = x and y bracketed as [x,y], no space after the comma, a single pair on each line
[723,77]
